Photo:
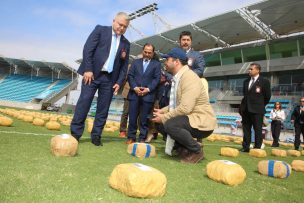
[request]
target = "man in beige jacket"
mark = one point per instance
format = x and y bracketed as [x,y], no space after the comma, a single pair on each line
[189,114]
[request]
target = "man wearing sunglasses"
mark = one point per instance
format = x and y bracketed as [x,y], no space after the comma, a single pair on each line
[297,118]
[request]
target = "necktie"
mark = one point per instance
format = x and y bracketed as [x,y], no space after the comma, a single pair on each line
[252,82]
[172,104]
[112,53]
[145,65]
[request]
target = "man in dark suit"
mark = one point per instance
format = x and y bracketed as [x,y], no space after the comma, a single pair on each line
[104,67]
[143,77]
[297,117]
[256,90]
[196,60]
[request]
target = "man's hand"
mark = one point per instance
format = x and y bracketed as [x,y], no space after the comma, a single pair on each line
[116,88]
[157,116]
[144,91]
[137,91]
[292,121]
[88,77]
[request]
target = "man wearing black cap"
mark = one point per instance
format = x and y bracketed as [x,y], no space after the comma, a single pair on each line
[189,114]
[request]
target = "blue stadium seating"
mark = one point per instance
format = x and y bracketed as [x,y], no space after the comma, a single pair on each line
[24,88]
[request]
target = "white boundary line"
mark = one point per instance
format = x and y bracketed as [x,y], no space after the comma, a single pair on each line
[22,133]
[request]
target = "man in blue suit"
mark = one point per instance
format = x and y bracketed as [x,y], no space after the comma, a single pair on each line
[143,77]
[104,68]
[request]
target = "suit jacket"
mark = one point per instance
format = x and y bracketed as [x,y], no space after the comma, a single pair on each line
[97,49]
[150,78]
[197,62]
[297,116]
[257,97]
[192,101]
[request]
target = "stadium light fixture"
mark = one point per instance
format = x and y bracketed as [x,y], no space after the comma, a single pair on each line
[145,10]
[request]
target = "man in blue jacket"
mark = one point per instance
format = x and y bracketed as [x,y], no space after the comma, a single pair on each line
[104,67]
[143,77]
[297,118]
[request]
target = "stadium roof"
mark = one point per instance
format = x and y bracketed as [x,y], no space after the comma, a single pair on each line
[261,21]
[36,64]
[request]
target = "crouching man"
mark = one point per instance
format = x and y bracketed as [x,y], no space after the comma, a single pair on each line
[189,114]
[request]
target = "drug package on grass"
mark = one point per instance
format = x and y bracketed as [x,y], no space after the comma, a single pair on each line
[5,121]
[294,153]
[274,168]
[64,145]
[297,165]
[279,152]
[259,153]
[228,151]
[138,180]
[53,125]
[141,150]
[226,172]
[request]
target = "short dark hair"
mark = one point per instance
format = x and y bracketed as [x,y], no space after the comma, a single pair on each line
[258,66]
[185,33]
[149,44]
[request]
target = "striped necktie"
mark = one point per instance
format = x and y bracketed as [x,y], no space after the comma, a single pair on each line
[112,53]
[172,101]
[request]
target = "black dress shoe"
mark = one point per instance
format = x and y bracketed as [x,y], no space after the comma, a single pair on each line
[96,142]
[244,150]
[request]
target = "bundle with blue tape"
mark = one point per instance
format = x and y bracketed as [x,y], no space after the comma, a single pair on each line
[141,150]
[274,168]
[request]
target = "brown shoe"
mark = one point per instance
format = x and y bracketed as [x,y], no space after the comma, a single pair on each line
[182,152]
[149,137]
[193,158]
[130,141]
[122,134]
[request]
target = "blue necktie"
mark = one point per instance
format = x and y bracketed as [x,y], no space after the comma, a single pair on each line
[112,53]
[145,64]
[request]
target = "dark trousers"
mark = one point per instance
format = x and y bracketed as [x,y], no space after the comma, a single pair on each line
[275,131]
[250,120]
[138,107]
[180,130]
[103,84]
[124,116]
[298,130]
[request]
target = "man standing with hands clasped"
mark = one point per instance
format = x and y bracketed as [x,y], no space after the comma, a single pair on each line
[256,90]
[104,68]
[189,114]
[297,118]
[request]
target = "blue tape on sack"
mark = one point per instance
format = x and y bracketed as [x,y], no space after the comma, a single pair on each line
[270,168]
[148,150]
[134,149]
[287,169]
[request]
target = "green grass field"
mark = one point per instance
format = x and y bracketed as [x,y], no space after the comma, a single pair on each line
[30,173]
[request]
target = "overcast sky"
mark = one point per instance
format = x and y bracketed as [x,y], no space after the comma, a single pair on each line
[56,30]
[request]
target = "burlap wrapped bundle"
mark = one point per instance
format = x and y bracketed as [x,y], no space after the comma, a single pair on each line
[267,142]
[138,180]
[225,139]
[238,141]
[66,122]
[109,129]
[38,122]
[297,165]
[257,153]
[292,152]
[211,138]
[28,118]
[273,168]
[279,152]
[52,125]
[90,126]
[141,150]
[5,121]
[302,152]
[226,172]
[64,145]
[228,151]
